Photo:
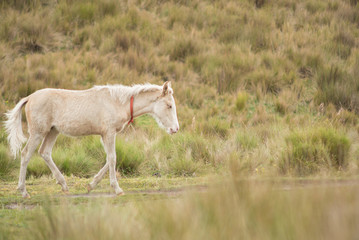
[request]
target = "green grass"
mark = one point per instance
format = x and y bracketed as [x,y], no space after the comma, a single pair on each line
[6,163]
[315,149]
[241,100]
[129,157]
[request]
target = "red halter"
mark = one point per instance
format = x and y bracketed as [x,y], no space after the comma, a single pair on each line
[131,109]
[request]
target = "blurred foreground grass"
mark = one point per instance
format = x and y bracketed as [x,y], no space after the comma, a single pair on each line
[244,209]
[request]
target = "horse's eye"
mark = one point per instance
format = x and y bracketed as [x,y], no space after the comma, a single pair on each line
[169,106]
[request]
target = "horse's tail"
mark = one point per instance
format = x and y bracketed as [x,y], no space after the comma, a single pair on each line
[13,127]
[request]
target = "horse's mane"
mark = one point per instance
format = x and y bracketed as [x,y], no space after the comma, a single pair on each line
[124,93]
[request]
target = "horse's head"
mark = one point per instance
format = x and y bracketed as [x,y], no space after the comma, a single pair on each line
[164,110]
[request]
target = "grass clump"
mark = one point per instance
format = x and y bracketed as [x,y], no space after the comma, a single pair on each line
[314,6]
[183,48]
[314,150]
[184,166]
[76,162]
[343,43]
[246,141]
[7,164]
[215,127]
[37,167]
[339,88]
[83,158]
[184,153]
[281,106]
[128,157]
[179,145]
[241,100]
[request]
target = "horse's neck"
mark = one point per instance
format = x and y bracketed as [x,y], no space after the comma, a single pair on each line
[143,103]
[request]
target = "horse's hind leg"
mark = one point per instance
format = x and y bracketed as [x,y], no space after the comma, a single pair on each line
[98,177]
[26,154]
[45,152]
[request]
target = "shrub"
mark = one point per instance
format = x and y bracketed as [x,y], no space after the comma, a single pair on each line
[313,150]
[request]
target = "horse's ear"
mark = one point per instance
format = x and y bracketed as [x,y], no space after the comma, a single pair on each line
[165,88]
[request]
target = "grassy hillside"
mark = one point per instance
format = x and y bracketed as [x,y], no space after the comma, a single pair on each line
[265,88]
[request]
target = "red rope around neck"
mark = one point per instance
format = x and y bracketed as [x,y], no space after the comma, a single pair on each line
[131,109]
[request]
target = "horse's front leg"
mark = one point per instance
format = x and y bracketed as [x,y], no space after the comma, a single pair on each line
[109,145]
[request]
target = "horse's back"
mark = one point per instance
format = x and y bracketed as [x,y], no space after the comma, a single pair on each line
[73,112]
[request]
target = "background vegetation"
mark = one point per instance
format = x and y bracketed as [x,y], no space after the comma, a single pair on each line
[263,89]
[253,81]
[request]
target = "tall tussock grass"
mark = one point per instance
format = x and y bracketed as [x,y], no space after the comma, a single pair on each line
[184,153]
[129,157]
[239,210]
[313,150]
[6,163]
[339,88]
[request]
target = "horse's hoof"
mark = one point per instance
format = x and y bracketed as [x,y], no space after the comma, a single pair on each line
[120,194]
[89,188]
[66,192]
[26,196]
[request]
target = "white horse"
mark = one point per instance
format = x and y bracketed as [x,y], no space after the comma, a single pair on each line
[101,110]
